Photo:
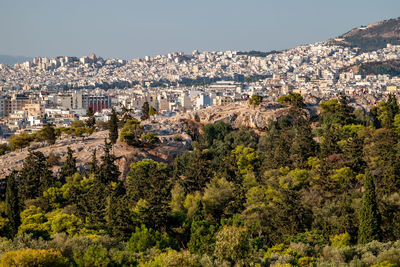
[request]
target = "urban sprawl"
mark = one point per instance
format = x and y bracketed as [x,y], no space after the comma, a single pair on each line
[61,90]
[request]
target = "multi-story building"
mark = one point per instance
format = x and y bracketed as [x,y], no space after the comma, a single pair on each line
[4,106]
[96,102]
[18,102]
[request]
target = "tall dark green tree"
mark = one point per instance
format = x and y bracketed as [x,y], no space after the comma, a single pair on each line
[108,171]
[344,112]
[35,176]
[93,165]
[145,111]
[113,127]
[12,203]
[193,170]
[303,146]
[91,121]
[69,166]
[370,228]
[118,213]
[93,204]
[202,233]
[149,182]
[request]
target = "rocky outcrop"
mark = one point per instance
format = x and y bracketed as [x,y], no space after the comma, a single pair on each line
[237,115]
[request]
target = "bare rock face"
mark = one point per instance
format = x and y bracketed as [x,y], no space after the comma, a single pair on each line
[239,114]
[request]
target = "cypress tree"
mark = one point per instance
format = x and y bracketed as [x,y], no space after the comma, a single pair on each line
[69,166]
[145,111]
[303,145]
[113,127]
[93,203]
[93,167]
[12,203]
[202,233]
[91,121]
[118,213]
[108,171]
[369,229]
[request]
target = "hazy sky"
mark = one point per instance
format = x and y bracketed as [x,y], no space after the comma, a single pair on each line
[130,28]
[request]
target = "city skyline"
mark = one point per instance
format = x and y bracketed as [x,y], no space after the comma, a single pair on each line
[131,29]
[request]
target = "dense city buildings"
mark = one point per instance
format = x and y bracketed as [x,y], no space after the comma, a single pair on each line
[60,90]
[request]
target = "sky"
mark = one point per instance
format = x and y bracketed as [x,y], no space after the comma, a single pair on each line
[131,28]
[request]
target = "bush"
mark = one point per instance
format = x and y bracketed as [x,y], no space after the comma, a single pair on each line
[174,259]
[255,100]
[4,148]
[340,241]
[145,238]
[150,138]
[94,255]
[233,244]
[178,137]
[33,257]
[21,140]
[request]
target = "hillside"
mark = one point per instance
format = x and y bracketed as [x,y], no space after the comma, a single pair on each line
[237,115]
[391,67]
[320,192]
[373,36]
[166,151]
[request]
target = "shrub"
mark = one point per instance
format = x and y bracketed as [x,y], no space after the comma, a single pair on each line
[33,257]
[94,255]
[340,241]
[174,259]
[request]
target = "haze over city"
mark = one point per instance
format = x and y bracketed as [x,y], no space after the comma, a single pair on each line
[130,29]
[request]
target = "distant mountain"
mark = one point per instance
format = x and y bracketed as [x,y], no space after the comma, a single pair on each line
[11,60]
[373,36]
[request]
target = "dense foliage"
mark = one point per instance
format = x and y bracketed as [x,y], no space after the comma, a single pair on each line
[306,191]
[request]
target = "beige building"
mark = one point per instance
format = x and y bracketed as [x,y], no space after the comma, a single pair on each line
[34,110]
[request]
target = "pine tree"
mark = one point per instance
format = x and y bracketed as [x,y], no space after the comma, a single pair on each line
[69,166]
[93,167]
[149,181]
[91,121]
[202,233]
[369,229]
[113,127]
[12,204]
[108,171]
[344,112]
[303,146]
[118,213]
[93,203]
[145,111]
[35,176]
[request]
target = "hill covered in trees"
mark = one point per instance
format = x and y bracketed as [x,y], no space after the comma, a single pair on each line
[373,36]
[390,67]
[299,193]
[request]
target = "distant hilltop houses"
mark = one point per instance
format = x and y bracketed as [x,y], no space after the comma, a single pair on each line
[60,90]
